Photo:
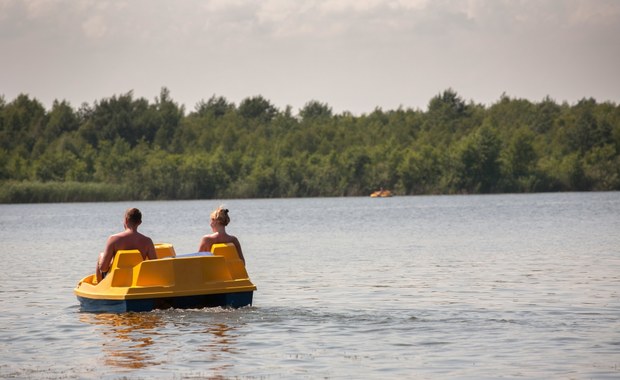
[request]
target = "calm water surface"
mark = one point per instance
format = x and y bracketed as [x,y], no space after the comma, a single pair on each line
[468,287]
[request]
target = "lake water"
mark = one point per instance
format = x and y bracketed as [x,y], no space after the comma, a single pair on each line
[429,287]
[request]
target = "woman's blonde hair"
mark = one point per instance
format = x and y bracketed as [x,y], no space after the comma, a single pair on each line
[221,215]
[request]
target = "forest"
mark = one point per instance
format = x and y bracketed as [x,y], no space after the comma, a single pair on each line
[128,148]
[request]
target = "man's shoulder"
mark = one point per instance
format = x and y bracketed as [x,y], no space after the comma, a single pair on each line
[143,236]
[115,237]
[120,235]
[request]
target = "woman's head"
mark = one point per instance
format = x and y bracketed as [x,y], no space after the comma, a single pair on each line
[221,216]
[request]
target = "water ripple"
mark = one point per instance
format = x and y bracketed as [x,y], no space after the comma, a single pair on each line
[460,287]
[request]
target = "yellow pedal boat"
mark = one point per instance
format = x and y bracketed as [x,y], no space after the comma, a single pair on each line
[381,194]
[186,281]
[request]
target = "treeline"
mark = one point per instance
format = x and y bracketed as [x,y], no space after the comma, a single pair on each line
[123,148]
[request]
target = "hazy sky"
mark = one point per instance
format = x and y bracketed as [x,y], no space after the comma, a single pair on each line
[354,55]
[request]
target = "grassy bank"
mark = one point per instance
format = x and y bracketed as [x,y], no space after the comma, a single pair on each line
[48,192]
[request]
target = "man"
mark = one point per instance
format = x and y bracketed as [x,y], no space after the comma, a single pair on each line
[128,239]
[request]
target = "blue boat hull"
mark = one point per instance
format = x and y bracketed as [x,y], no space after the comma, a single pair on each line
[233,300]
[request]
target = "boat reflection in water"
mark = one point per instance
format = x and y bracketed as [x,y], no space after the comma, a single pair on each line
[215,350]
[128,338]
[131,340]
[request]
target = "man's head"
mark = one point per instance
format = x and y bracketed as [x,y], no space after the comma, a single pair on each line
[133,217]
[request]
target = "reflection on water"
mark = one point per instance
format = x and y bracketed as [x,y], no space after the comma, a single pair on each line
[222,342]
[516,286]
[141,340]
[127,337]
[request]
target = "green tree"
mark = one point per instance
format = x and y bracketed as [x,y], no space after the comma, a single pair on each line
[448,118]
[22,119]
[119,163]
[201,177]
[54,165]
[571,173]
[479,162]
[258,108]
[587,132]
[61,119]
[420,171]
[602,168]
[4,165]
[315,110]
[356,164]
[545,115]
[215,107]
[519,161]
[447,104]
[168,116]
[132,148]
[159,175]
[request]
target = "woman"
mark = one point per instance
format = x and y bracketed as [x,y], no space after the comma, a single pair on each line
[219,221]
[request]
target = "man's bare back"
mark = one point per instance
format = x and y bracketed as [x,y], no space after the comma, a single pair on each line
[128,239]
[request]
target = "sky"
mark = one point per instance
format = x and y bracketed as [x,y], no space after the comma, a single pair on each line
[353,55]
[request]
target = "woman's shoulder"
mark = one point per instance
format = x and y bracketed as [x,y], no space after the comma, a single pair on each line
[226,239]
[209,238]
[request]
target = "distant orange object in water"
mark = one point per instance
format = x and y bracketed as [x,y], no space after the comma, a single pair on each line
[381,194]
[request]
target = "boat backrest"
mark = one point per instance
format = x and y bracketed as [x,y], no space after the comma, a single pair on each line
[131,258]
[126,259]
[163,250]
[155,273]
[229,252]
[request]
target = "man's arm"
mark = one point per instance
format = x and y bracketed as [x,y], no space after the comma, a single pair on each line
[105,258]
[150,250]
[98,274]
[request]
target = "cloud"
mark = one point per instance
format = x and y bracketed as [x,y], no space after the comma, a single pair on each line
[353,54]
[94,27]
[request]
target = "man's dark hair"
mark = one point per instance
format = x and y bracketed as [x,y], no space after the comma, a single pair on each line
[134,216]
